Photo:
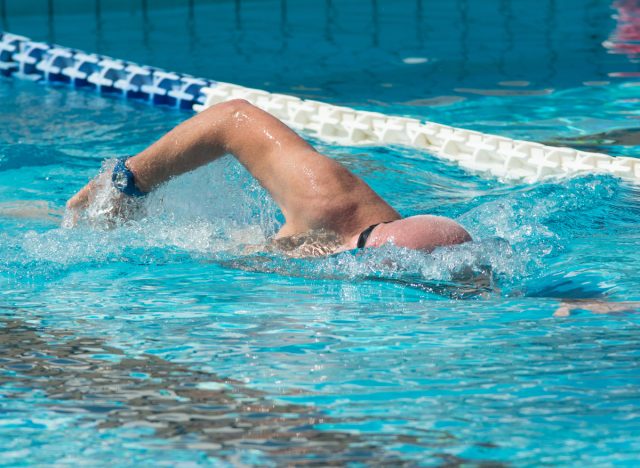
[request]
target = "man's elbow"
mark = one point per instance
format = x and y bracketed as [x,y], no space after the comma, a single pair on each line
[230,108]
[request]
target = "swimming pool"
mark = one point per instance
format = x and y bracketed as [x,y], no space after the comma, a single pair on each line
[158,342]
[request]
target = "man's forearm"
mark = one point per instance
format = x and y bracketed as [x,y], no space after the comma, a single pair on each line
[192,144]
[265,146]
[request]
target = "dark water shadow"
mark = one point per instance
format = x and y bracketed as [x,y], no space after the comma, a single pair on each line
[600,142]
[188,408]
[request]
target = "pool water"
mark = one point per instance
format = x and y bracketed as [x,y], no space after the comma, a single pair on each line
[159,341]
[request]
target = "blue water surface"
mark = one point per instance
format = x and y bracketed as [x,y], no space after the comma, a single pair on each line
[160,341]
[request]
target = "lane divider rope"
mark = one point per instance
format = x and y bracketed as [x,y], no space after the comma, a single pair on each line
[478,152]
[23,58]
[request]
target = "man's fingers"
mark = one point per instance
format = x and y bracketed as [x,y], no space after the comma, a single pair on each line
[81,199]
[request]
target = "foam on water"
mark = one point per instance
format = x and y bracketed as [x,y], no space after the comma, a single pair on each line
[214,213]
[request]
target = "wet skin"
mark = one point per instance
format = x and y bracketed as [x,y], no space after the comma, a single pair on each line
[314,192]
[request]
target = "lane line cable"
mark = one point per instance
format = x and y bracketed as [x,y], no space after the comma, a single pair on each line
[486,154]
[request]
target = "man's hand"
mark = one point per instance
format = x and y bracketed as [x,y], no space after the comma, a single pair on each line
[86,195]
[99,203]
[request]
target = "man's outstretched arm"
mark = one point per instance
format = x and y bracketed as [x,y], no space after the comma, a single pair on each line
[312,190]
[253,136]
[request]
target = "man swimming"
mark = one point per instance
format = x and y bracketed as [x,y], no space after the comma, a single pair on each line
[318,196]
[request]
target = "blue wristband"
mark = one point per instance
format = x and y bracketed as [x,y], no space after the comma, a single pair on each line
[124,180]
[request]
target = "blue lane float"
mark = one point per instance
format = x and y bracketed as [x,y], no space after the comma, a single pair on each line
[39,61]
[481,153]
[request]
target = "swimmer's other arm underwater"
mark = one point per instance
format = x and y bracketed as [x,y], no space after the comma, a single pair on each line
[314,192]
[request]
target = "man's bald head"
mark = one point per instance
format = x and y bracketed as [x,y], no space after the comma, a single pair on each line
[422,232]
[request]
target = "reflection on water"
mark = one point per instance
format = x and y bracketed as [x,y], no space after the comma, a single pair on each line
[187,408]
[625,39]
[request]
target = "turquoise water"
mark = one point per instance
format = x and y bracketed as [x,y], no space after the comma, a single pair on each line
[159,341]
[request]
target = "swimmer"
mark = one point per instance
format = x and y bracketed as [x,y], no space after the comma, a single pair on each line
[317,195]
